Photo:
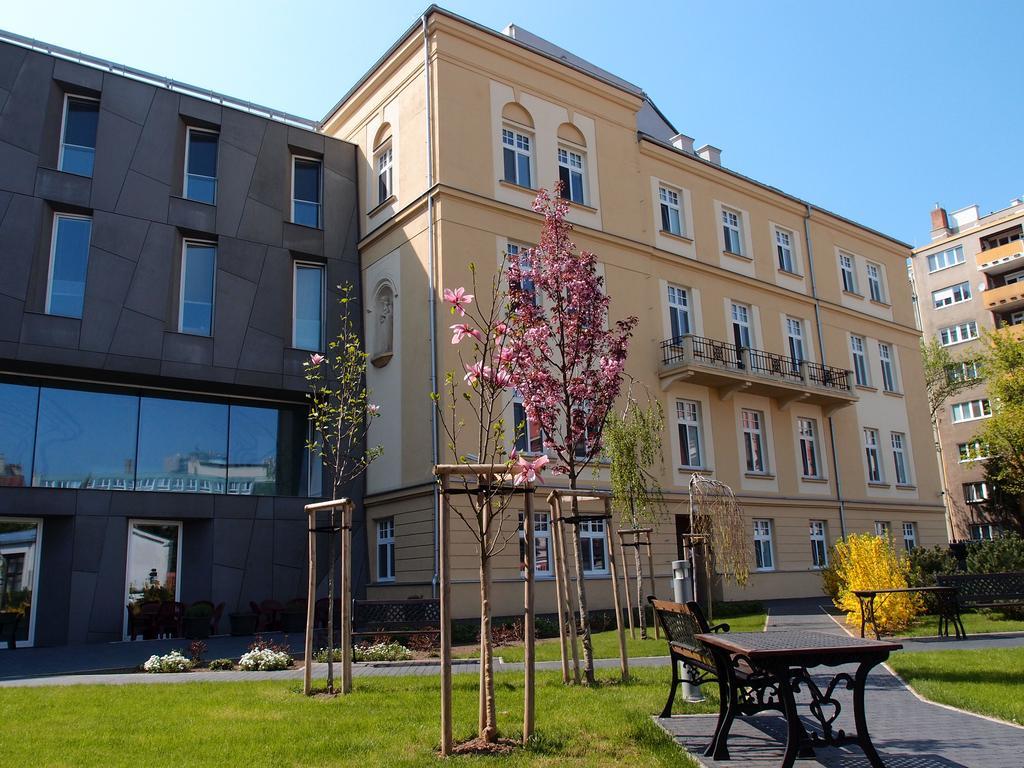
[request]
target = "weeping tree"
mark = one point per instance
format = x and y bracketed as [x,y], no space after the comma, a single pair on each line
[340,414]
[633,445]
[716,517]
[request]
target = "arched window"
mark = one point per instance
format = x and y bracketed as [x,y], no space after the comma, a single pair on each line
[383,163]
[383,325]
[572,163]
[517,145]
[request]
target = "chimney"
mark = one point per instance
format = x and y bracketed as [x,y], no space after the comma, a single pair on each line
[940,222]
[711,154]
[683,142]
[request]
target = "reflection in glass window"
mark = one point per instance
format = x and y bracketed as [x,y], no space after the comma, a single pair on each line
[201,166]
[182,444]
[267,451]
[153,561]
[78,142]
[306,192]
[69,262]
[85,440]
[198,270]
[309,307]
[17,433]
[19,562]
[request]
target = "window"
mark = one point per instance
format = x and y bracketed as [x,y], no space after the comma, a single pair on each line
[201,166]
[808,431]
[753,441]
[688,422]
[386,549]
[784,249]
[198,270]
[308,307]
[541,543]
[385,173]
[593,544]
[971,410]
[763,545]
[517,253]
[571,174]
[860,361]
[182,440]
[975,450]
[306,191]
[819,544]
[741,325]
[984,531]
[528,435]
[18,405]
[679,311]
[69,263]
[795,338]
[732,237]
[517,155]
[954,294]
[975,493]
[948,258]
[874,459]
[847,273]
[671,216]
[910,536]
[969,370]
[78,135]
[882,529]
[265,448]
[888,367]
[875,282]
[955,334]
[154,559]
[899,457]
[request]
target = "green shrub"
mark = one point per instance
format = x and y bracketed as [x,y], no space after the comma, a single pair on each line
[544,628]
[222,664]
[381,652]
[1001,555]
[925,564]
[465,633]
[321,655]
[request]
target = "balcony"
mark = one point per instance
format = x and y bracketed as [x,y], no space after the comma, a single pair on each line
[1005,258]
[1004,298]
[730,369]
[1013,331]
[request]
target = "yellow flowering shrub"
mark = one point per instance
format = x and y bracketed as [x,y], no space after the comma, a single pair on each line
[865,561]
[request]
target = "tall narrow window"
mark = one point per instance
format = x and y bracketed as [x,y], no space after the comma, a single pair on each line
[808,430]
[784,249]
[883,529]
[795,337]
[910,536]
[78,138]
[678,311]
[671,215]
[594,544]
[201,166]
[875,283]
[741,325]
[688,423]
[860,361]
[69,262]
[529,438]
[819,544]
[572,174]
[873,456]
[385,173]
[386,549]
[847,272]
[306,189]
[198,270]
[517,253]
[899,458]
[541,543]
[753,441]
[308,310]
[731,231]
[763,545]
[888,367]
[517,157]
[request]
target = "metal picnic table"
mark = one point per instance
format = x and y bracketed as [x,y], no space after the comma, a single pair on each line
[946,602]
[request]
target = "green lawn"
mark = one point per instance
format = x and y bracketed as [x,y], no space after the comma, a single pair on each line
[385,722]
[988,682]
[975,623]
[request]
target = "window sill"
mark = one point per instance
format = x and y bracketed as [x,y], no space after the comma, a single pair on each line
[822,480]
[788,273]
[672,235]
[381,206]
[900,487]
[304,226]
[697,470]
[866,387]
[735,255]
[884,304]
[385,581]
[514,185]
[853,293]
[878,485]
[892,393]
[764,570]
[759,475]
[193,200]
[580,206]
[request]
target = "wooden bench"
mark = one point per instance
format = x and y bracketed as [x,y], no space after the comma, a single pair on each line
[396,618]
[985,590]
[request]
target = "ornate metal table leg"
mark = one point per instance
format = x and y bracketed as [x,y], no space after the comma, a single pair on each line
[863,738]
[795,733]
[728,703]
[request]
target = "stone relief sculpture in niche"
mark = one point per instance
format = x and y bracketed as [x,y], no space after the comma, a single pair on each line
[383,338]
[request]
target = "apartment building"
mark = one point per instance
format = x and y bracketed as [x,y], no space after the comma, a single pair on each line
[969,279]
[167,261]
[778,336]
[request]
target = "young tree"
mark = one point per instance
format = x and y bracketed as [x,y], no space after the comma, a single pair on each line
[633,445]
[568,360]
[471,410]
[1003,369]
[340,414]
[943,376]
[717,518]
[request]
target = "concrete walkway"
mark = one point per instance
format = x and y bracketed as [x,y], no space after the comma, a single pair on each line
[906,731]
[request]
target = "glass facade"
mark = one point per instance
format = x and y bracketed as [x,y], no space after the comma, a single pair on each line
[17,433]
[183,446]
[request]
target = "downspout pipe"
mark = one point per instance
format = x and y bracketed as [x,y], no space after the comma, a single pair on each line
[432,290]
[821,350]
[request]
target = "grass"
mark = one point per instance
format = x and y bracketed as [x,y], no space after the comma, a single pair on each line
[975,622]
[385,722]
[988,682]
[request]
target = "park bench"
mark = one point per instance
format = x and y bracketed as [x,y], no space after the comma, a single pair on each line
[396,618]
[985,590]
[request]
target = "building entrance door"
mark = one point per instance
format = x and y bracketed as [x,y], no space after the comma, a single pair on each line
[154,563]
[19,580]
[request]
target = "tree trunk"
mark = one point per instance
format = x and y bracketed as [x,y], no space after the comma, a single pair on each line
[488,719]
[581,594]
[640,609]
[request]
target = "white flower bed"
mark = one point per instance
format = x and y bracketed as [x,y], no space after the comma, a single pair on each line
[382,652]
[264,660]
[172,662]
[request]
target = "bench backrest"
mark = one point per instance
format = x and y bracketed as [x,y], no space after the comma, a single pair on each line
[681,622]
[985,587]
[396,614]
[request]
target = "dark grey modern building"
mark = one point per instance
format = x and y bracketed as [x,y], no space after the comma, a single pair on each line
[168,260]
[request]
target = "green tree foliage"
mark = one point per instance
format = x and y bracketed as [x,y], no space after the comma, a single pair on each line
[1003,366]
[1004,554]
[927,562]
[943,375]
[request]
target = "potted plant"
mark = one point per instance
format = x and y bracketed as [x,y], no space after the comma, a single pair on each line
[196,623]
[243,623]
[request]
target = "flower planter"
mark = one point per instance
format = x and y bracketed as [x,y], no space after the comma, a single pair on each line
[196,627]
[243,623]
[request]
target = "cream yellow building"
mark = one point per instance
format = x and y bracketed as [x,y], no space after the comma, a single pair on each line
[458,127]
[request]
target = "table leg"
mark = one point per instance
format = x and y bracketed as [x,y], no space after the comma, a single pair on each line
[863,615]
[858,712]
[795,732]
[728,701]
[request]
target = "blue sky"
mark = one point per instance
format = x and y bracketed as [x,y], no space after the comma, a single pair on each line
[875,110]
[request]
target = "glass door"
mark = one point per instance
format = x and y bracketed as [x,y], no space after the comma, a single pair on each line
[19,579]
[154,562]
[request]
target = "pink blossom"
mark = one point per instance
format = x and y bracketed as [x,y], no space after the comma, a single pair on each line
[461,331]
[458,299]
[475,372]
[316,359]
[373,409]
[527,471]
[503,378]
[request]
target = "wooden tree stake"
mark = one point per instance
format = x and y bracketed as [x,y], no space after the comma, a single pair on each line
[528,622]
[623,657]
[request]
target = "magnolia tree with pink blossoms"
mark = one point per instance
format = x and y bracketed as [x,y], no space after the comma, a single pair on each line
[566,359]
[471,407]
